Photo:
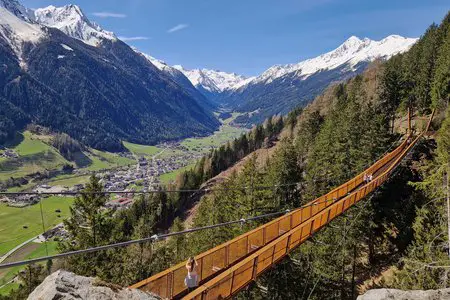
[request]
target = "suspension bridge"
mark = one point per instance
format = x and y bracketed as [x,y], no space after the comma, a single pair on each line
[228,268]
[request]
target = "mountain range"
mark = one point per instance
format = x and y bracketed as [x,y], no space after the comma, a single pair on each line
[63,71]
[283,87]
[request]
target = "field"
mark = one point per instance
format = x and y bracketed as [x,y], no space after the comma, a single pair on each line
[105,160]
[13,220]
[223,135]
[69,180]
[171,176]
[142,149]
[34,250]
[13,232]
[34,155]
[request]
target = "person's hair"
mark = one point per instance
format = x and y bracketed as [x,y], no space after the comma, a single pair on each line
[191,263]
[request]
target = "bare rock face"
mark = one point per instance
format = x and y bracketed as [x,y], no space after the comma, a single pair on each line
[393,294]
[68,286]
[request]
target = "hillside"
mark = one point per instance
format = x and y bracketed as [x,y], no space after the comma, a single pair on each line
[99,95]
[32,156]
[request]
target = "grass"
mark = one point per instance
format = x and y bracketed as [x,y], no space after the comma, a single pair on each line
[34,156]
[13,219]
[70,181]
[22,187]
[225,134]
[39,251]
[142,149]
[171,176]
[113,159]
[170,152]
[4,291]
[105,160]
[30,145]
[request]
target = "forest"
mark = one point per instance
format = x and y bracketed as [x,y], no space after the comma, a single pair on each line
[396,238]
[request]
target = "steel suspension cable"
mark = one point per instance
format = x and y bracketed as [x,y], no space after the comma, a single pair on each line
[153,238]
[262,187]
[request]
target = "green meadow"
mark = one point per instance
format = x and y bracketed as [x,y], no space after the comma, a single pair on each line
[14,220]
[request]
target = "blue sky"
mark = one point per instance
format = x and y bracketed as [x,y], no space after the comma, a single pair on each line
[248,36]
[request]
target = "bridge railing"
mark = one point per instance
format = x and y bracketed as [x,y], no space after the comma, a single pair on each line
[170,283]
[242,273]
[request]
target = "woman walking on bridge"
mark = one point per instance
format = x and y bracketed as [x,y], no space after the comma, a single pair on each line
[191,280]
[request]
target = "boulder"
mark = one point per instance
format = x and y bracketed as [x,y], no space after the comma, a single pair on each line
[393,294]
[68,286]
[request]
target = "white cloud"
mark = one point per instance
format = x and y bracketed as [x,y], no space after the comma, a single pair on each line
[177,28]
[133,38]
[105,14]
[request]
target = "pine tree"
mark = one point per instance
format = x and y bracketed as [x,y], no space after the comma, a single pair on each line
[392,87]
[88,226]
[441,83]
[425,265]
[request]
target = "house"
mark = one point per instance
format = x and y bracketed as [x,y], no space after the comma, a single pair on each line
[9,153]
[23,200]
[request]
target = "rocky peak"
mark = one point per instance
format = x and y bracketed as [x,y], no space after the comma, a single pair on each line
[71,20]
[16,8]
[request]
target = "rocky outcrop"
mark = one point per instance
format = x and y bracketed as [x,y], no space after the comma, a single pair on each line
[68,286]
[393,294]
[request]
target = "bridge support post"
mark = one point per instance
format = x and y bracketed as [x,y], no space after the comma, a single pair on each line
[409,120]
[255,268]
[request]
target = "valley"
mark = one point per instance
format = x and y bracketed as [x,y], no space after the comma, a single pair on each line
[30,154]
[30,159]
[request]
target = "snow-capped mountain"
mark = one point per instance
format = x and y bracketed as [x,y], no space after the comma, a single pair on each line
[284,87]
[71,20]
[351,52]
[276,91]
[17,9]
[98,95]
[238,92]
[212,80]
[180,79]
[161,65]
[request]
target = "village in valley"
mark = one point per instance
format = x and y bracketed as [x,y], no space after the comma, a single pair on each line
[144,175]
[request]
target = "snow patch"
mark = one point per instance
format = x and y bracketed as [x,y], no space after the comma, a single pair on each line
[66,47]
[17,32]
[160,65]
